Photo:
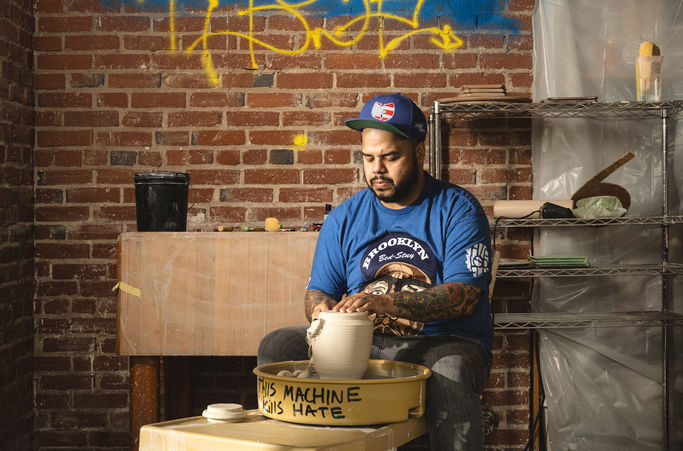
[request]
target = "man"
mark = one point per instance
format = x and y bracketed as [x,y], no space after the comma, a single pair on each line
[413,252]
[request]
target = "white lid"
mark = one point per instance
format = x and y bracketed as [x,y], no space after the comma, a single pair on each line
[225,412]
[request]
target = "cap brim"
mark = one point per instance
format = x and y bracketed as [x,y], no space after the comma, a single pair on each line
[360,124]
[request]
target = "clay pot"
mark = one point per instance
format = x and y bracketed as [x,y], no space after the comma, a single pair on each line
[340,344]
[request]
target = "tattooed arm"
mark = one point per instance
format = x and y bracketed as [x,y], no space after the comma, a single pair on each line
[449,300]
[318,301]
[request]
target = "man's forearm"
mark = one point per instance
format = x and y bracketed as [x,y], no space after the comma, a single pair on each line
[449,300]
[314,298]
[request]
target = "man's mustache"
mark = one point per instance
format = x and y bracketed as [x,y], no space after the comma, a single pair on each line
[385,179]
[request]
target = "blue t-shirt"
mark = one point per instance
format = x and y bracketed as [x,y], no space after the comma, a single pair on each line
[444,236]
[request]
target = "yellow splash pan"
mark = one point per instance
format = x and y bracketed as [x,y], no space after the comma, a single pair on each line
[389,392]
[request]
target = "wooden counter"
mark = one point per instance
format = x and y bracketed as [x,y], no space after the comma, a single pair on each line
[203,293]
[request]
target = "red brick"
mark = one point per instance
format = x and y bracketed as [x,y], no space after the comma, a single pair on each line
[272,100]
[107,251]
[313,80]
[271,176]
[177,61]
[64,24]
[115,213]
[363,80]
[218,137]
[122,23]
[49,81]
[179,138]
[61,214]
[200,156]
[64,382]
[333,100]
[334,137]
[412,61]
[253,118]
[309,156]
[49,6]
[290,62]
[134,80]
[272,137]
[216,99]
[288,23]
[437,80]
[176,157]
[238,80]
[91,118]
[194,118]
[228,157]
[60,138]
[352,60]
[210,42]
[91,42]
[150,43]
[255,156]
[337,156]
[47,43]
[49,196]
[241,23]
[121,61]
[78,271]
[64,62]
[247,195]
[64,100]
[112,100]
[305,195]
[331,176]
[125,139]
[78,80]
[473,78]
[68,157]
[142,119]
[115,176]
[305,118]
[214,177]
[181,24]
[65,177]
[92,195]
[228,214]
[282,213]
[187,81]
[199,195]
[100,400]
[505,61]
[158,100]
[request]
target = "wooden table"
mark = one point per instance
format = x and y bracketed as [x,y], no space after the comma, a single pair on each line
[203,294]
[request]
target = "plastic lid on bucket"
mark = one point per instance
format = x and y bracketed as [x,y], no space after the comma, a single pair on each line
[164,177]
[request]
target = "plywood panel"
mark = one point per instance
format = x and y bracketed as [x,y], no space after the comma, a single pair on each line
[204,293]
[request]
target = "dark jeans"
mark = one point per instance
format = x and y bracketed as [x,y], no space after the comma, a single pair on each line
[460,369]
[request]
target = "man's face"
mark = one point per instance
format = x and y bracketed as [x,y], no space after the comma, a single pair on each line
[392,167]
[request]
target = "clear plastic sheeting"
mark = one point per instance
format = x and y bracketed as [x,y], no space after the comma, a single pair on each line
[604,386]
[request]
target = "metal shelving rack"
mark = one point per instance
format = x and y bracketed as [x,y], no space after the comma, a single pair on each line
[554,320]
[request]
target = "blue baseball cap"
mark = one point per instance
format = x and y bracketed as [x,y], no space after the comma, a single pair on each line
[392,112]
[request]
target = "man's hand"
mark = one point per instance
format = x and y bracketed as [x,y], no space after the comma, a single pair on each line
[364,302]
[318,301]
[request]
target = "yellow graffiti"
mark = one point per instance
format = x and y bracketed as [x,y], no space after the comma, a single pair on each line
[344,35]
[300,142]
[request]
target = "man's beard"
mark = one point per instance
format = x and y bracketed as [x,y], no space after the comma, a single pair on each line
[403,189]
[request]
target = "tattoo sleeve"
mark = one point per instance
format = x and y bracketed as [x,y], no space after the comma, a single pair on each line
[449,300]
[314,298]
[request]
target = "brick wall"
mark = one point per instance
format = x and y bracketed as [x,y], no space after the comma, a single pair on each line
[16,222]
[120,89]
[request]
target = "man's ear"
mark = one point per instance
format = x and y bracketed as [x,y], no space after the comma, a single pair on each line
[420,151]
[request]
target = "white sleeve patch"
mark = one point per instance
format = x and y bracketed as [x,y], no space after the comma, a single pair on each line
[477,259]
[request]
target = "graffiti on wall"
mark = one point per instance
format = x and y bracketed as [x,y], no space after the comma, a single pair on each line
[380,17]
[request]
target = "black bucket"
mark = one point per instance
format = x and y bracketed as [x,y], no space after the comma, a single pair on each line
[161,201]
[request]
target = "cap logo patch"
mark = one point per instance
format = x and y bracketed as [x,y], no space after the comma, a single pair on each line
[383,111]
